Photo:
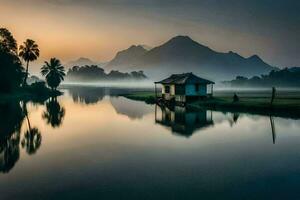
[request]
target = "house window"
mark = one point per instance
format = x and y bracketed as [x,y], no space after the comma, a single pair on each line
[167,89]
[197,87]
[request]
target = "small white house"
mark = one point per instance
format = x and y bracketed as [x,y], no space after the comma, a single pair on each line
[185,87]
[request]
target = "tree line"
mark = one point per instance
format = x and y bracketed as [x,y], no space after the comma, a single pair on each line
[13,75]
[95,73]
[281,78]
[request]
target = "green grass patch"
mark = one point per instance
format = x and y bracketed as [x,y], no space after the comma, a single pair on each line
[284,107]
[148,97]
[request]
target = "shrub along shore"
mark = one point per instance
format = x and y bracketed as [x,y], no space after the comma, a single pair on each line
[281,107]
[35,92]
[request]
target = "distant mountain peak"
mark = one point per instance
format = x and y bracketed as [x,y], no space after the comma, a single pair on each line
[82,61]
[255,57]
[147,47]
[135,47]
[181,54]
[127,56]
[181,39]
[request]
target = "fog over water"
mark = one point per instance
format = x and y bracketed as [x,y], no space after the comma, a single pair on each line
[115,84]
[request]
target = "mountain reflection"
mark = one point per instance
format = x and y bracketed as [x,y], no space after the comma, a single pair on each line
[132,109]
[183,121]
[54,113]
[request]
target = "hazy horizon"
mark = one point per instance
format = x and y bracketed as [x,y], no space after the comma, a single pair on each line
[69,29]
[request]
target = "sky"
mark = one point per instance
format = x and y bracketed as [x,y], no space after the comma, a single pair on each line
[97,29]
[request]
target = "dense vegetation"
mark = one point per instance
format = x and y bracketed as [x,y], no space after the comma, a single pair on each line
[11,69]
[281,78]
[13,76]
[95,73]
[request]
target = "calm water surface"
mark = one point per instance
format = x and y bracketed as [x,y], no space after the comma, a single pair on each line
[93,144]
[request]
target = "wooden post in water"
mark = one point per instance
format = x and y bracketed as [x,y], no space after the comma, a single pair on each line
[155,91]
[273,129]
[273,95]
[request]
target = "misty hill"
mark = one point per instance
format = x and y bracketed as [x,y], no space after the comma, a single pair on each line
[127,58]
[182,54]
[294,69]
[83,61]
[95,73]
[281,78]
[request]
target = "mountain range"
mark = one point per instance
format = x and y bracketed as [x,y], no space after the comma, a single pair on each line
[182,54]
[82,62]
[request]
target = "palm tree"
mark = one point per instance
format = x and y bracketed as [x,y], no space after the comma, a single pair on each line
[54,73]
[29,51]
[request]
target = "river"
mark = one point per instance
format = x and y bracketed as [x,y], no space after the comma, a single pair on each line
[95,144]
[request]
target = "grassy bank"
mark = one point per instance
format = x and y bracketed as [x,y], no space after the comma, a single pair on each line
[282,107]
[148,97]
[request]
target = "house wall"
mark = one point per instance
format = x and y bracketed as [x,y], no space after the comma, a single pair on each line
[171,94]
[190,90]
[172,89]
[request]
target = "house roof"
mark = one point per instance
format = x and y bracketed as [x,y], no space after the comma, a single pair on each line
[185,78]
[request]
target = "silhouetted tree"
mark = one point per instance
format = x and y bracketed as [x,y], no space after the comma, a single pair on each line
[11,70]
[95,73]
[280,78]
[54,73]
[54,113]
[29,51]
[7,41]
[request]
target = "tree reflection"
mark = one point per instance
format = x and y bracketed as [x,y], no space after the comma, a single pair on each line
[32,137]
[32,140]
[11,118]
[54,113]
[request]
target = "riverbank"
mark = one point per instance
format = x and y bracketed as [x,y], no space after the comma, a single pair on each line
[30,94]
[281,107]
[148,97]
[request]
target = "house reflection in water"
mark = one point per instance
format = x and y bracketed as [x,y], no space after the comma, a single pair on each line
[183,121]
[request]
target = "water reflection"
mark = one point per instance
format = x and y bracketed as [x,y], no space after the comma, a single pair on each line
[93,95]
[32,137]
[16,129]
[86,95]
[132,109]
[131,147]
[272,122]
[11,118]
[123,106]
[54,113]
[183,121]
